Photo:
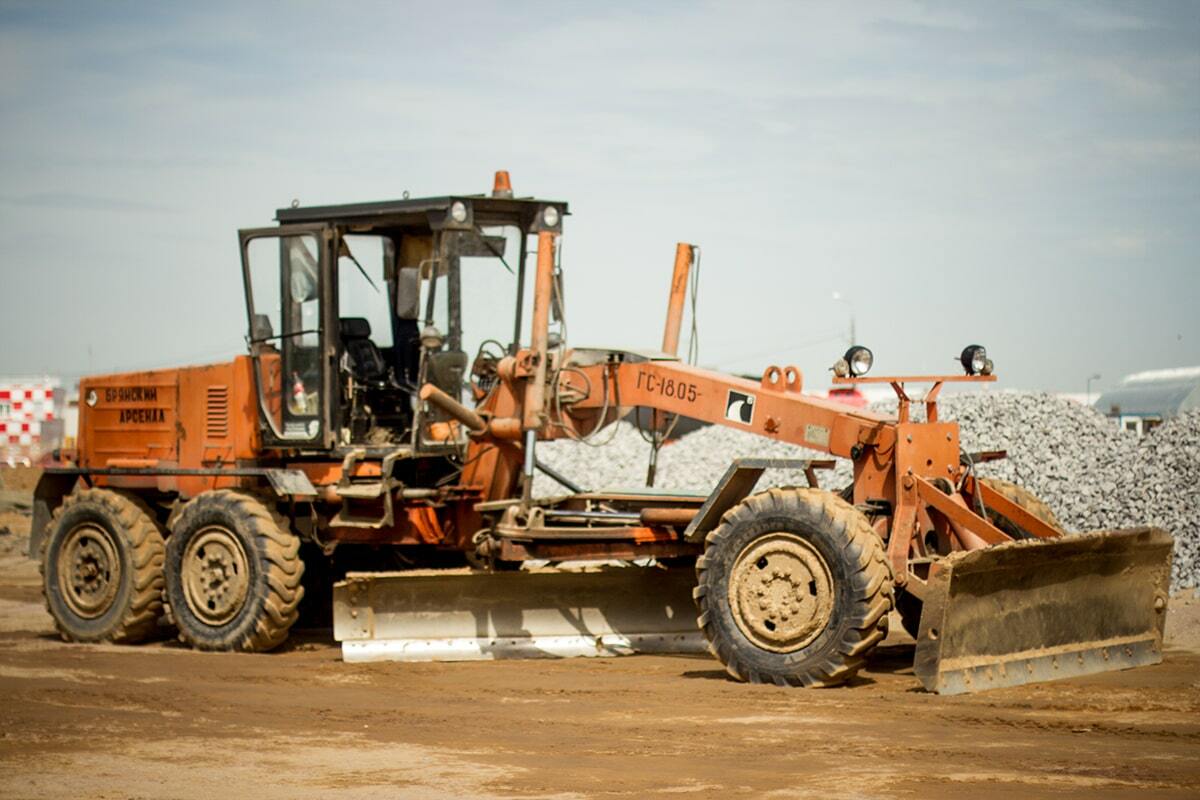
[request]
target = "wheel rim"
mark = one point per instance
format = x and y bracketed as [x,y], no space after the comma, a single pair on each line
[89,570]
[781,592]
[216,575]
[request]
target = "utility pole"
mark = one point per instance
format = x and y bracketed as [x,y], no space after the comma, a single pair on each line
[853,335]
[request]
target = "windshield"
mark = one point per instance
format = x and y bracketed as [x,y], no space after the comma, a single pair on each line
[489,296]
[363,272]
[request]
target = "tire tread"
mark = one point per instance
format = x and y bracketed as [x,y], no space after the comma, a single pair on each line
[144,539]
[278,554]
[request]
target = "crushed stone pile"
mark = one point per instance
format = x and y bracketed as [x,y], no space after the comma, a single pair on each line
[1162,488]
[1090,473]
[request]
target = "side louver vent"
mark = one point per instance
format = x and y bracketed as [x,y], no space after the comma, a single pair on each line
[216,418]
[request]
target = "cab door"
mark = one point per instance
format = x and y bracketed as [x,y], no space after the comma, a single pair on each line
[285,270]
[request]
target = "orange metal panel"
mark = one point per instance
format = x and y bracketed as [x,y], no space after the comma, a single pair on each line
[927,449]
[188,418]
[129,416]
[244,410]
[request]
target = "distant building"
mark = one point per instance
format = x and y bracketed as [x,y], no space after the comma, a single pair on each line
[31,418]
[1146,399]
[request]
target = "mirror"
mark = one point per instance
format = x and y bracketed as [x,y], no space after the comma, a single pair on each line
[408,293]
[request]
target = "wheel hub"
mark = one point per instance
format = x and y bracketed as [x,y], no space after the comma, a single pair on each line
[89,570]
[216,575]
[781,592]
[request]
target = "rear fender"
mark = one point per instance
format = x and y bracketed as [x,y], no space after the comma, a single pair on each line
[52,487]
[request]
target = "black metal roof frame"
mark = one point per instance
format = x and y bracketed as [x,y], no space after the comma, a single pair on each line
[414,211]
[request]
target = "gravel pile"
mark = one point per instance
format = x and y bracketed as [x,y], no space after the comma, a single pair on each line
[1090,473]
[1163,486]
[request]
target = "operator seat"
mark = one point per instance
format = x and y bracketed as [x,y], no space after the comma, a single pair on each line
[365,361]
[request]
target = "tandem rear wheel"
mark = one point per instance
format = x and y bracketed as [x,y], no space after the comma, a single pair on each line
[102,568]
[233,574]
[793,589]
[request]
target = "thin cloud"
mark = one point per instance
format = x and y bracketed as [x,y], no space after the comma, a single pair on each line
[68,201]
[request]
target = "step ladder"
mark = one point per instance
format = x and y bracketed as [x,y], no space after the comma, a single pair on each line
[358,492]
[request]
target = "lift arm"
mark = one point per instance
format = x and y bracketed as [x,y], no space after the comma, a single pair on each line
[773,407]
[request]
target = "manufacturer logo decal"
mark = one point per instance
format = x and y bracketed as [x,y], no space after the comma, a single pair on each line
[739,407]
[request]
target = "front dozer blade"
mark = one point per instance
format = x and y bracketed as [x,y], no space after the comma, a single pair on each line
[1041,610]
[460,616]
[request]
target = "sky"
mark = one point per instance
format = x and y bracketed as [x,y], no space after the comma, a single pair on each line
[1021,175]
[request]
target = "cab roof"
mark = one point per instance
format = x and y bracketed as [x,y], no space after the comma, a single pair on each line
[423,211]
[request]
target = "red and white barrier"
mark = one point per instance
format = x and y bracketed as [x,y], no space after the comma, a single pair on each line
[24,406]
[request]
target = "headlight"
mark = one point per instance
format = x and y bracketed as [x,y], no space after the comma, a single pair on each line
[458,211]
[550,216]
[974,360]
[431,338]
[859,360]
[91,398]
[841,368]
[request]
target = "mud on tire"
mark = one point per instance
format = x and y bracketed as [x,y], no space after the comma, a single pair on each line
[815,534]
[102,568]
[233,574]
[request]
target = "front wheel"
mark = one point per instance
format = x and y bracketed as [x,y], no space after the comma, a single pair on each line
[793,589]
[233,574]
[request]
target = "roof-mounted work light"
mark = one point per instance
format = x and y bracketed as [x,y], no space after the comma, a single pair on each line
[975,360]
[855,363]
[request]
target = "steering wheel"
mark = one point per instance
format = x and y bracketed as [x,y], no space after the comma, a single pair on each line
[483,369]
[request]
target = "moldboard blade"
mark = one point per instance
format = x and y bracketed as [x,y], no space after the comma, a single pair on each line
[461,616]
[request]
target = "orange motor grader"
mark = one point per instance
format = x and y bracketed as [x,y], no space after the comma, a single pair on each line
[357,440]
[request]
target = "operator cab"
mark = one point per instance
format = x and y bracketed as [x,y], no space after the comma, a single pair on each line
[353,308]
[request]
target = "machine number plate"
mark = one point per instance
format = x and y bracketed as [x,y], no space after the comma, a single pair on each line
[668,387]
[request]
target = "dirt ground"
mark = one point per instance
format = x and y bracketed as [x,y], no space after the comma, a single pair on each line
[161,721]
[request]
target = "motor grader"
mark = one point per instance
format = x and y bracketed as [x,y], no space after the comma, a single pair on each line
[357,431]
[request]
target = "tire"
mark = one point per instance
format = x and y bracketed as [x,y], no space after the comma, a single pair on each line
[233,574]
[1026,500]
[826,603]
[102,568]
